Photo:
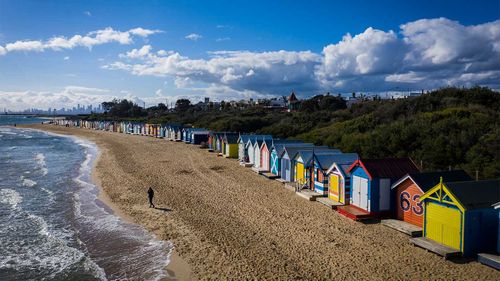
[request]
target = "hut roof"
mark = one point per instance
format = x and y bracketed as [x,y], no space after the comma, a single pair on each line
[292,150]
[393,168]
[428,180]
[231,138]
[280,147]
[476,194]
[307,155]
[327,160]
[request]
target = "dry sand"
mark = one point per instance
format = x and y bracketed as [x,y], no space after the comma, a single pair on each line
[227,222]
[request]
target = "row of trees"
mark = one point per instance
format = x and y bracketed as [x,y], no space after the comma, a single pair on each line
[450,127]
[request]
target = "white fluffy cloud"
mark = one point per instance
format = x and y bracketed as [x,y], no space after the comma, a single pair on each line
[424,54]
[68,97]
[429,53]
[193,37]
[99,37]
[240,70]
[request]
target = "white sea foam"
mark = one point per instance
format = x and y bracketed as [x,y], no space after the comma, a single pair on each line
[28,182]
[42,224]
[41,164]
[10,197]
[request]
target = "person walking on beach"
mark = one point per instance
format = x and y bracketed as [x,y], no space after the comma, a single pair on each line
[151,194]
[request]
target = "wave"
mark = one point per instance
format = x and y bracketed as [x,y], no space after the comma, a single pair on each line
[145,257]
[10,197]
[42,165]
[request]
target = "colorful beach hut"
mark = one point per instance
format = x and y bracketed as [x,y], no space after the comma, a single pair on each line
[265,156]
[411,187]
[339,182]
[371,181]
[460,216]
[277,153]
[302,163]
[230,145]
[321,165]
[287,158]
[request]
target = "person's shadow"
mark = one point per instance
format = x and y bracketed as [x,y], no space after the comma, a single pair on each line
[163,209]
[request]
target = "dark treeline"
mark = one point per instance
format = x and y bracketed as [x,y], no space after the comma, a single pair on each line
[447,128]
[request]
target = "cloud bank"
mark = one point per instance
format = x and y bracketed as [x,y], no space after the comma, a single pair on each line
[58,43]
[423,54]
[68,97]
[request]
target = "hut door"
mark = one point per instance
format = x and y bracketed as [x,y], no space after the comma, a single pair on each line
[333,191]
[443,224]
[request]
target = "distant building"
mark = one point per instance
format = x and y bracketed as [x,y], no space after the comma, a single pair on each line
[293,102]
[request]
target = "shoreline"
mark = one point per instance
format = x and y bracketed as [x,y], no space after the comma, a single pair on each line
[228,222]
[177,268]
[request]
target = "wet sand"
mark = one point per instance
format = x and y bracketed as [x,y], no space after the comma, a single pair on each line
[226,222]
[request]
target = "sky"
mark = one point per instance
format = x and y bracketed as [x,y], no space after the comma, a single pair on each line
[61,53]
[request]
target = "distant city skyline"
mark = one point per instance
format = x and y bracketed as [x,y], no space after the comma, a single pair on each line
[60,53]
[79,109]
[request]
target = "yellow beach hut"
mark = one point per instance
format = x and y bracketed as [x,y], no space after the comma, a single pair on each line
[459,217]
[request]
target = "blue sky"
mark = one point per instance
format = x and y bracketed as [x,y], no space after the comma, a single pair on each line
[240,49]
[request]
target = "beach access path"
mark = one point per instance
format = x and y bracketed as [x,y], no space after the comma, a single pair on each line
[227,222]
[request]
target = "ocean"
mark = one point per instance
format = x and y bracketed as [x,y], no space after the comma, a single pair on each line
[52,224]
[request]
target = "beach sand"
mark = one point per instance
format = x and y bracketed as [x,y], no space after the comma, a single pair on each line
[226,222]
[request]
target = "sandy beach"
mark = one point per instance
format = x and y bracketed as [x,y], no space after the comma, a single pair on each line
[226,222]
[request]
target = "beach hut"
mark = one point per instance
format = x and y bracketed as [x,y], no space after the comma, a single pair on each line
[277,152]
[371,181]
[265,155]
[250,150]
[459,216]
[230,145]
[303,162]
[256,148]
[243,145]
[287,156]
[411,187]
[339,182]
[199,136]
[212,141]
[242,148]
[492,258]
[322,163]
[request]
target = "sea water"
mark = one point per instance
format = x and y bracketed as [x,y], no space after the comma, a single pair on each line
[53,226]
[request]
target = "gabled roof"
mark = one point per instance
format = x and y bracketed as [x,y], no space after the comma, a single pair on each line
[293,150]
[475,194]
[292,97]
[247,137]
[393,168]
[280,147]
[342,168]
[231,138]
[427,180]
[307,155]
[325,161]
[268,143]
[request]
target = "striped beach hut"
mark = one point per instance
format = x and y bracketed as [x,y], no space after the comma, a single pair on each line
[304,166]
[460,216]
[321,165]
[371,181]
[411,187]
[339,182]
[287,157]
[277,153]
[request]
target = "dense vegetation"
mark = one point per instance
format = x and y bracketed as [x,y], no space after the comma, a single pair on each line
[448,128]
